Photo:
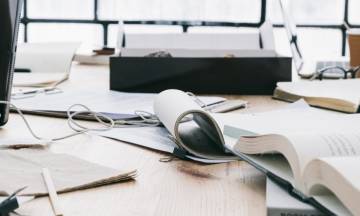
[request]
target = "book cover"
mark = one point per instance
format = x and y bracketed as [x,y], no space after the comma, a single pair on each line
[280,203]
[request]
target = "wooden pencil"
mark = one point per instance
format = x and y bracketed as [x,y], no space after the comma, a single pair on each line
[52,192]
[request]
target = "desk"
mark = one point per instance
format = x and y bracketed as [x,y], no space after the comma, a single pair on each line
[174,188]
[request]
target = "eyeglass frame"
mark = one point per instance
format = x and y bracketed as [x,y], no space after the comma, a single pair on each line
[319,74]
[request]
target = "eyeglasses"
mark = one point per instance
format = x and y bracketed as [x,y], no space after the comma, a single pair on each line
[336,72]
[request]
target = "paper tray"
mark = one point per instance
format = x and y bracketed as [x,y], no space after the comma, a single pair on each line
[247,75]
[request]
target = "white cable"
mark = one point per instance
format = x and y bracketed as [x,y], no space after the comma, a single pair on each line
[107,123]
[146,120]
[23,118]
[80,128]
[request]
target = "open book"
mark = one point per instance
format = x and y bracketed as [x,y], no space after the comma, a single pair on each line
[340,95]
[313,164]
[308,152]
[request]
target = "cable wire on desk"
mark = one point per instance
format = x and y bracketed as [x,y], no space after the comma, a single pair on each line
[107,123]
[146,119]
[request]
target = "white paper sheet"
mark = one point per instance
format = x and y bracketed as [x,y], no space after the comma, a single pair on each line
[45,57]
[157,138]
[199,53]
[100,101]
[193,40]
[48,62]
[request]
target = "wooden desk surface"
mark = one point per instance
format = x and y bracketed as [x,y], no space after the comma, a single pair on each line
[174,188]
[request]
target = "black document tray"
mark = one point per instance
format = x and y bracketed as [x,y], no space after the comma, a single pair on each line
[245,75]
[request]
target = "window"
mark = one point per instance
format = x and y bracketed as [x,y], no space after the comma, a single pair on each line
[321,23]
[205,10]
[320,31]
[354,14]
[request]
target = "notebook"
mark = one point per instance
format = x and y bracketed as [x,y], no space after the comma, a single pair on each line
[192,129]
[340,95]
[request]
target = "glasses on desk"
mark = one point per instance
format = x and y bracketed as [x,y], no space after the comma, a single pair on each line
[336,72]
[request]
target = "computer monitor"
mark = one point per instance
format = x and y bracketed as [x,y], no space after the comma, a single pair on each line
[10,11]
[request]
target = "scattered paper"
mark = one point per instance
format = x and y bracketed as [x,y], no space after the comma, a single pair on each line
[99,101]
[22,168]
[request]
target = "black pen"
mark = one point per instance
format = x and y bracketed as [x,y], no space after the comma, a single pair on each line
[8,206]
[11,203]
[22,70]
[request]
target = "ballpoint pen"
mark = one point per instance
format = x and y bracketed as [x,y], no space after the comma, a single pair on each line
[33,92]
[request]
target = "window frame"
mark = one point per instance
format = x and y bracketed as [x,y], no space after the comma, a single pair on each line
[186,24]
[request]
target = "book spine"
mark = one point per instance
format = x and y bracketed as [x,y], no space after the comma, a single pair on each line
[298,194]
[293,212]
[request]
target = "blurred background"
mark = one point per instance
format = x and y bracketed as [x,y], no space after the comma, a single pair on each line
[321,23]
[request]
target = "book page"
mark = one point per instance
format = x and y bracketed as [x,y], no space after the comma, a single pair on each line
[311,146]
[311,134]
[344,165]
[286,121]
[337,177]
[299,149]
[333,204]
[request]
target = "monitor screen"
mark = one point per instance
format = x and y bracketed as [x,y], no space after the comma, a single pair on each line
[9,23]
